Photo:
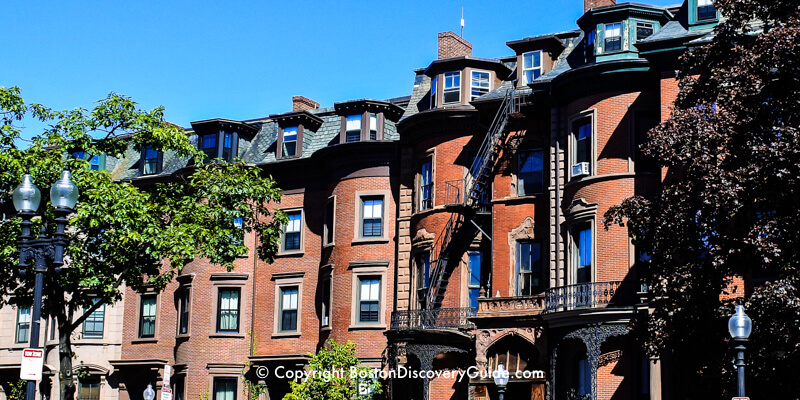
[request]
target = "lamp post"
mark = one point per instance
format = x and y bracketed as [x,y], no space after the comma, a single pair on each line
[41,250]
[500,376]
[149,393]
[740,326]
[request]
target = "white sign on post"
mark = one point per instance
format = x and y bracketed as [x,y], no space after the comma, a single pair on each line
[167,373]
[32,363]
[166,393]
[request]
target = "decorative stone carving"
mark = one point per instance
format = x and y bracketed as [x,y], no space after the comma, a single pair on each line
[484,339]
[423,239]
[426,353]
[609,358]
[580,209]
[510,306]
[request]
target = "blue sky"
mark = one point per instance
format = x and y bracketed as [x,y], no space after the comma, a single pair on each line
[245,59]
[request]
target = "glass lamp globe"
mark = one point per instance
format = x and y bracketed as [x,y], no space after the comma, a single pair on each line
[500,376]
[27,196]
[740,325]
[149,393]
[64,193]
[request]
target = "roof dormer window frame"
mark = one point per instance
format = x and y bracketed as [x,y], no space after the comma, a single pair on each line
[224,145]
[532,68]
[294,146]
[364,120]
[705,11]
[613,34]
[152,161]
[451,83]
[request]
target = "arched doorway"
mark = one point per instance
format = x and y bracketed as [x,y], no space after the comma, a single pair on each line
[524,364]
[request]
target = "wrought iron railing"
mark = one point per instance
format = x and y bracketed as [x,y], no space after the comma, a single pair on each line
[452,191]
[582,295]
[439,318]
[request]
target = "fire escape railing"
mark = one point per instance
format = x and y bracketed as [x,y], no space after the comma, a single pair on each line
[475,184]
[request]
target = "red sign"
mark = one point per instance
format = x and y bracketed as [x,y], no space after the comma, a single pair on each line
[31,365]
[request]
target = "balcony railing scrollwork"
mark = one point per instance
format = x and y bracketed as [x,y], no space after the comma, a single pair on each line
[438,318]
[582,295]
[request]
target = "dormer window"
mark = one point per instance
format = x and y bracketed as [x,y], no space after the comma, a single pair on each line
[706,10]
[208,144]
[352,128]
[451,93]
[434,82]
[289,142]
[227,146]
[479,84]
[373,127]
[96,162]
[151,161]
[613,37]
[531,66]
[220,138]
[644,30]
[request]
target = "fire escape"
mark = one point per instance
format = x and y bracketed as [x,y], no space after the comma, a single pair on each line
[475,185]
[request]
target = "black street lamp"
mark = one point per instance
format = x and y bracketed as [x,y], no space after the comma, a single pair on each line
[41,250]
[740,326]
[500,376]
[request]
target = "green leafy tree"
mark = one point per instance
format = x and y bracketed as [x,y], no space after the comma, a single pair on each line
[122,234]
[729,206]
[333,375]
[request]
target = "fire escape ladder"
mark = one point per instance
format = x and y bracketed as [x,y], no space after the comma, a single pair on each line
[475,183]
[479,176]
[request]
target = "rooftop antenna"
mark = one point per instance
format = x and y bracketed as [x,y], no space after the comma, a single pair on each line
[462,22]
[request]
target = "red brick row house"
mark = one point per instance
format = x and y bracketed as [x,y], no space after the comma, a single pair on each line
[457,228]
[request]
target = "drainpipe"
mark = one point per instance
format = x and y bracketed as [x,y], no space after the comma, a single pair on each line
[558,192]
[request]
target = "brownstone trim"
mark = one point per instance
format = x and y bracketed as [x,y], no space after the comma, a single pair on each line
[571,143]
[368,269]
[288,280]
[358,237]
[301,250]
[222,281]
[325,233]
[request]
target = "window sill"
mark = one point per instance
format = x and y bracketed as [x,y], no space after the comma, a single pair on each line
[510,199]
[376,240]
[367,327]
[282,335]
[325,328]
[144,340]
[222,335]
[293,253]
[331,244]
[183,336]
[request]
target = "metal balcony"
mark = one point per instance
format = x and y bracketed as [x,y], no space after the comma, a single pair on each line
[584,295]
[439,318]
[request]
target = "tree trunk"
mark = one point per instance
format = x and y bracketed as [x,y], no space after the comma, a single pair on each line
[65,357]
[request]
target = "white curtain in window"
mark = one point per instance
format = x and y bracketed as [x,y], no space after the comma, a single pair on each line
[289,299]
[701,3]
[373,209]
[613,30]
[294,223]
[353,123]
[369,289]
[373,122]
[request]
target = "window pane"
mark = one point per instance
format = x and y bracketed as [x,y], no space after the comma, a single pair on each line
[372,217]
[183,323]
[93,325]
[224,389]
[706,12]
[643,30]
[23,324]
[291,237]
[531,172]
[147,322]
[613,30]
[89,388]
[426,186]
[228,315]
[288,306]
[433,91]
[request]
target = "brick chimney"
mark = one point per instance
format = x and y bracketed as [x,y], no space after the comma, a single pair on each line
[590,4]
[451,45]
[301,103]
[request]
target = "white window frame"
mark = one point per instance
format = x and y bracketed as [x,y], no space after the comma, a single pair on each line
[296,130]
[532,67]
[649,24]
[479,87]
[449,86]
[606,37]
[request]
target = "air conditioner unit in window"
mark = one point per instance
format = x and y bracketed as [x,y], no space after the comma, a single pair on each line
[580,169]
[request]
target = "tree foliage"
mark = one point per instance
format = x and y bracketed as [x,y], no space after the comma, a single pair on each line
[122,234]
[331,376]
[729,206]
